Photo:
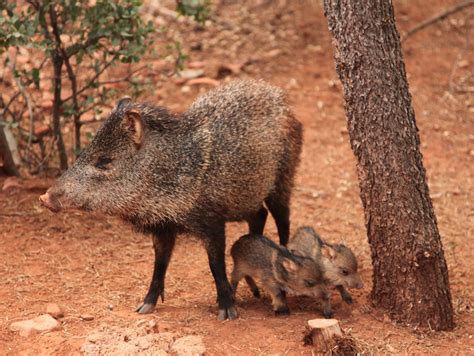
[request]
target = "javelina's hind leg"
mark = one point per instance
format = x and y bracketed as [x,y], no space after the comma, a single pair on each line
[278,205]
[257,221]
[253,286]
[163,243]
[215,246]
[235,278]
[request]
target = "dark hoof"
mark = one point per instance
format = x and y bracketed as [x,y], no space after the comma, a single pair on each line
[348,299]
[228,313]
[328,314]
[145,308]
[281,312]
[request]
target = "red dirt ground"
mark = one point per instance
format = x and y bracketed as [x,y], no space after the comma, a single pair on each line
[94,264]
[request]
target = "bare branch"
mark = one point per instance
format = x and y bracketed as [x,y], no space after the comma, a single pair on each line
[91,82]
[124,79]
[24,93]
[12,99]
[437,18]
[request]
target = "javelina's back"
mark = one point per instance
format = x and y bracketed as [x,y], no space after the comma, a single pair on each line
[306,242]
[255,143]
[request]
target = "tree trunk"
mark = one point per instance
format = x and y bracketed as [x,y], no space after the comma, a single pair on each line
[58,63]
[410,277]
[8,163]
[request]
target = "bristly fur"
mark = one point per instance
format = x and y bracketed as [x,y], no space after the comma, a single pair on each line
[338,269]
[222,158]
[236,148]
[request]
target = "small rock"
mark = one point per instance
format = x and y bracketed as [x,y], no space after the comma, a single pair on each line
[191,73]
[273,53]
[188,345]
[463,64]
[292,84]
[87,317]
[208,81]
[54,310]
[227,69]
[196,65]
[332,84]
[40,324]
[42,131]
[11,183]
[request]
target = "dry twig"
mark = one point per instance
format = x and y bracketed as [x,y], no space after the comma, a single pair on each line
[437,18]
[26,96]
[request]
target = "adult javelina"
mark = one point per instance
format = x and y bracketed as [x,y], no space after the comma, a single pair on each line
[234,149]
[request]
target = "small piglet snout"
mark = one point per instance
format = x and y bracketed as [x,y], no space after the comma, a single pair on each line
[46,201]
[359,284]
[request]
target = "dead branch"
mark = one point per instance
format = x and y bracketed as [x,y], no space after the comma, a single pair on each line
[26,96]
[437,18]
[124,79]
[12,99]
[91,82]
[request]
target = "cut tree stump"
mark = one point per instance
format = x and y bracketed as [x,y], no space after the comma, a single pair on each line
[326,336]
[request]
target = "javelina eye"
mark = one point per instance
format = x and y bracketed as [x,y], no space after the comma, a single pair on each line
[103,163]
[345,272]
[309,283]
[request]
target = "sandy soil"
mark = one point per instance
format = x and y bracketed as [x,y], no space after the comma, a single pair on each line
[93,264]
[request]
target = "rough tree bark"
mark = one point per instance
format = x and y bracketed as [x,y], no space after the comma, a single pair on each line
[58,61]
[410,277]
[5,154]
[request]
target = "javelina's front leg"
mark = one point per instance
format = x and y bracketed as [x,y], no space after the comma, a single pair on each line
[346,296]
[215,246]
[326,303]
[163,243]
[280,307]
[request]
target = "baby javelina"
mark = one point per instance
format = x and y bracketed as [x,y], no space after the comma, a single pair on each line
[336,261]
[279,271]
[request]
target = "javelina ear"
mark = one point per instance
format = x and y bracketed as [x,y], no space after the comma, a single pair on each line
[122,103]
[133,124]
[289,265]
[328,252]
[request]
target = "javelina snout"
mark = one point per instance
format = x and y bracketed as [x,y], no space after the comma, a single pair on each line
[257,257]
[235,149]
[50,202]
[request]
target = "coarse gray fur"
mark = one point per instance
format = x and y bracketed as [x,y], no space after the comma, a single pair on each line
[236,148]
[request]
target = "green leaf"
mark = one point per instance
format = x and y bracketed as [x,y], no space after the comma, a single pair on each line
[36,77]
